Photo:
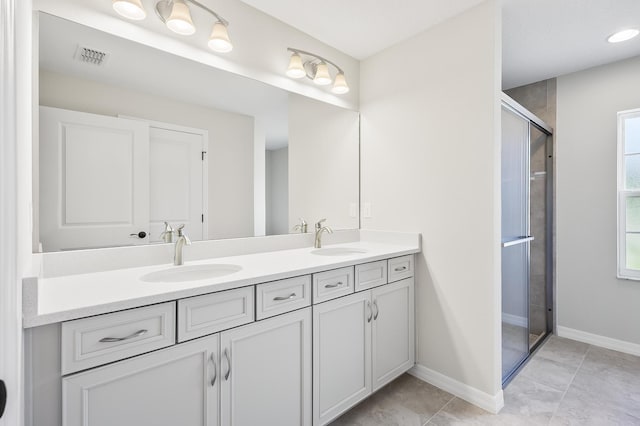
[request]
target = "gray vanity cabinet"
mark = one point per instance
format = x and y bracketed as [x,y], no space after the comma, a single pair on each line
[255,374]
[174,386]
[362,341]
[266,372]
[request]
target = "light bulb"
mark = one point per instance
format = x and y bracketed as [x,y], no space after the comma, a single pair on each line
[623,35]
[322,77]
[296,69]
[180,19]
[219,38]
[340,86]
[130,9]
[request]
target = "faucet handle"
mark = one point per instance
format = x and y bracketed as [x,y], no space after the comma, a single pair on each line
[168,227]
[319,223]
[180,230]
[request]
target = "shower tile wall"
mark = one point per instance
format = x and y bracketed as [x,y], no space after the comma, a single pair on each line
[540,99]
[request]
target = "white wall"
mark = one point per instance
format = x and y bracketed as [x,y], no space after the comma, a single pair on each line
[430,119]
[277,178]
[230,153]
[589,296]
[323,163]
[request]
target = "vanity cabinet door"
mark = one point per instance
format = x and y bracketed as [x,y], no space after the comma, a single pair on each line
[169,387]
[393,347]
[341,355]
[266,372]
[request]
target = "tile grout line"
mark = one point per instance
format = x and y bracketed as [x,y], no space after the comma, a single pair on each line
[438,412]
[571,382]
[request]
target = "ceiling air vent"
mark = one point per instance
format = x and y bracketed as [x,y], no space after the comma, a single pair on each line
[91,56]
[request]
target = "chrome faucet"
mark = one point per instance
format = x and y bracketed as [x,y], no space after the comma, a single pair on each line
[302,226]
[167,234]
[319,230]
[180,243]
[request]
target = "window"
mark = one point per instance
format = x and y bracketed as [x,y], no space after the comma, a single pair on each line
[629,194]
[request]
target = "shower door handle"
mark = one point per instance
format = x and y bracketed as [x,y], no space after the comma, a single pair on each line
[515,242]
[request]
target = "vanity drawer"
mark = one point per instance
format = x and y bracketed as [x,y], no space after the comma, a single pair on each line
[93,341]
[369,275]
[210,313]
[400,268]
[331,284]
[282,296]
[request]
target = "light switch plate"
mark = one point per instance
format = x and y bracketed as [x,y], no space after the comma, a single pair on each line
[353,210]
[366,210]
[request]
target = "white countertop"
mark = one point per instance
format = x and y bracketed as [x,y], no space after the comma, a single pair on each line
[56,299]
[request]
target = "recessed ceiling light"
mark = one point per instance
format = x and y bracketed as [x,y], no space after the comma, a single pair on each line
[623,35]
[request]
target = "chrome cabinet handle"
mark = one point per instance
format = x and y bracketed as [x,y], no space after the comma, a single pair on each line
[120,339]
[375,305]
[400,268]
[226,355]
[338,284]
[289,297]
[370,311]
[215,369]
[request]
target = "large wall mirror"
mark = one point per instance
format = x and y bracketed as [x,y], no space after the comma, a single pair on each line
[131,137]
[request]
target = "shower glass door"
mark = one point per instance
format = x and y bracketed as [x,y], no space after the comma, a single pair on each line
[516,240]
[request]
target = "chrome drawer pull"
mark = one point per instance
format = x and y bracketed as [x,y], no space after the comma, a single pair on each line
[370,311]
[338,284]
[215,369]
[375,305]
[120,339]
[226,354]
[289,297]
[400,268]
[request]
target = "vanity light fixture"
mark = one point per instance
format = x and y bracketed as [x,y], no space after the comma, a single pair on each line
[316,68]
[623,35]
[177,17]
[130,9]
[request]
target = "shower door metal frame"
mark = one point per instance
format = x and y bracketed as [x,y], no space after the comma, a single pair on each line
[514,107]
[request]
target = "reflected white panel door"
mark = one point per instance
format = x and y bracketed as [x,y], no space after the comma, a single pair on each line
[94,180]
[341,355]
[176,181]
[266,372]
[392,334]
[169,387]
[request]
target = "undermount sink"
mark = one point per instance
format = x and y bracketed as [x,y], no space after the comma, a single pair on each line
[178,274]
[338,251]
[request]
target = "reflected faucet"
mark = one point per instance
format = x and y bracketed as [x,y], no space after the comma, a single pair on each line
[180,243]
[167,234]
[302,226]
[319,230]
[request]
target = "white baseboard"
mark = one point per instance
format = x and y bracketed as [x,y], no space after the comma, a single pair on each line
[597,340]
[490,403]
[515,320]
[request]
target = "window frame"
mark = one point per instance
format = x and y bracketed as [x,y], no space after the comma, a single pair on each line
[623,195]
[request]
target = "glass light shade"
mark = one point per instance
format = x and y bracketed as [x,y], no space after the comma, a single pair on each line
[340,86]
[219,38]
[322,77]
[130,9]
[180,19]
[623,35]
[296,69]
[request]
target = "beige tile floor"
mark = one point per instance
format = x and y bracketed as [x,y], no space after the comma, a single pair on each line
[565,383]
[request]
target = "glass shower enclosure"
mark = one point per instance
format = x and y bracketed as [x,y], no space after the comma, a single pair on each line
[526,235]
